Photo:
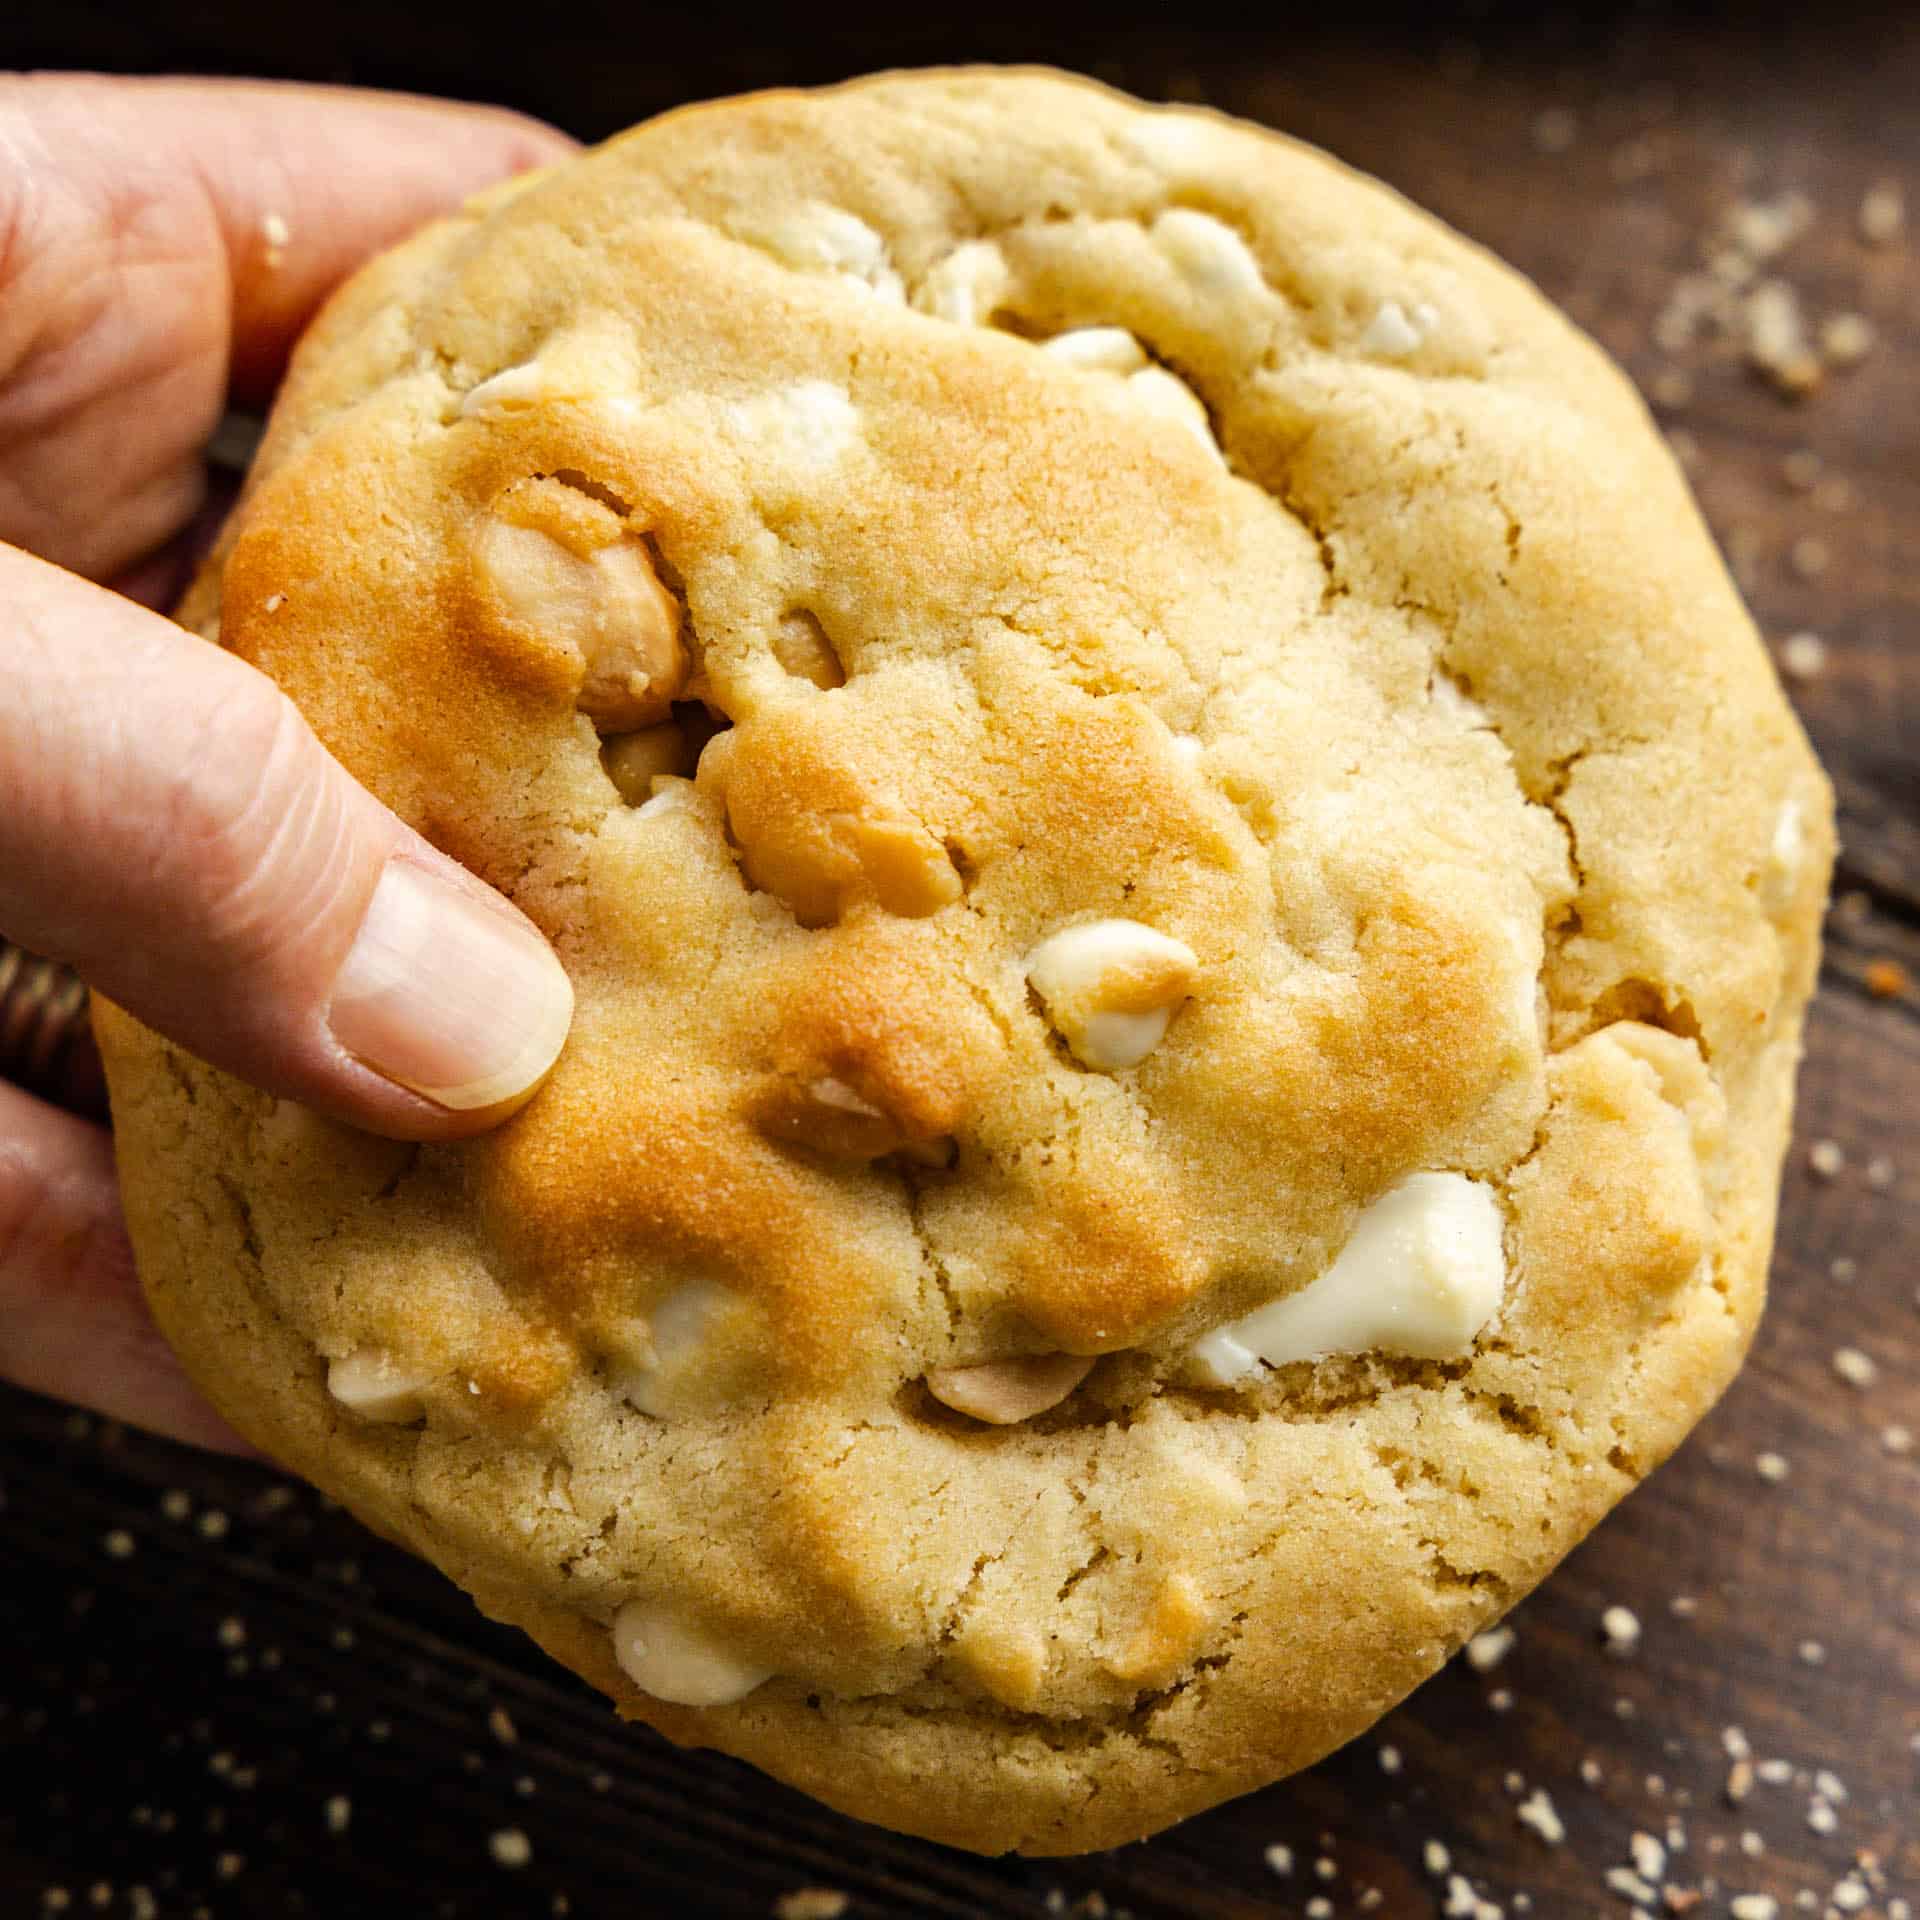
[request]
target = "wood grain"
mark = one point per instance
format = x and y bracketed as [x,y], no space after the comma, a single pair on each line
[145,1748]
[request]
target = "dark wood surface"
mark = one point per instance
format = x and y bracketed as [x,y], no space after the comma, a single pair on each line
[198,1658]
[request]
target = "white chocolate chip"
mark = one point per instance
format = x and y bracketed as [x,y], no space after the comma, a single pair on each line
[1110,987]
[1456,703]
[1786,848]
[824,239]
[370,1382]
[510,391]
[666,1655]
[1209,253]
[1098,350]
[1396,331]
[808,426]
[676,1331]
[1170,398]
[1004,1392]
[1422,1273]
[966,286]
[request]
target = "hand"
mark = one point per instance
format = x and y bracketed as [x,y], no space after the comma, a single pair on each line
[170,826]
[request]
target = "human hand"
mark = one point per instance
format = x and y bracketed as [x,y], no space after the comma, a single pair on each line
[170,826]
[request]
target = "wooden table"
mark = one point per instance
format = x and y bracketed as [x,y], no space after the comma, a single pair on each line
[216,1688]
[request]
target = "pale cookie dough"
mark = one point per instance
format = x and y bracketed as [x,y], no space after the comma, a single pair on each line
[1111,724]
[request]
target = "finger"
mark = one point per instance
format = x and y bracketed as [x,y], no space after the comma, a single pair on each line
[73,1323]
[304,182]
[161,579]
[163,242]
[175,832]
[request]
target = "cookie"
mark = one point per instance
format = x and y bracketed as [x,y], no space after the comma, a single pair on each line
[1190,899]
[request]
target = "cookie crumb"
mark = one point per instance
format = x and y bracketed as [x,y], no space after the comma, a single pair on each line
[1280,1861]
[1760,230]
[1801,469]
[1771,1467]
[1739,1782]
[1683,1606]
[1672,388]
[1883,213]
[1776,340]
[1486,1650]
[1501,1699]
[1754,1906]
[1813,1653]
[1803,656]
[1880,1172]
[1821,1817]
[118,1544]
[1326,1869]
[1846,339]
[176,1504]
[500,1725]
[1592,1774]
[1620,1629]
[1825,1157]
[1854,1367]
[811,1903]
[232,1631]
[1897,1439]
[510,1847]
[1752,1845]
[1808,556]
[1628,1884]
[1537,1812]
[1390,1760]
[1436,1859]
[1776,1773]
[1886,979]
[339,1812]
[1319,1908]
[1648,1855]
[213,1524]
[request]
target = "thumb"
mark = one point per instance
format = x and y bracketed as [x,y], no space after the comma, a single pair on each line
[177,834]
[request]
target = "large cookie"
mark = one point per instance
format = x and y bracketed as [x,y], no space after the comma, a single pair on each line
[1190,900]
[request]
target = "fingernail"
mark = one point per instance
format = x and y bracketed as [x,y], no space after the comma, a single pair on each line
[452,997]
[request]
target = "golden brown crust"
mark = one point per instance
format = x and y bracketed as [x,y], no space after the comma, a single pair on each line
[1398,682]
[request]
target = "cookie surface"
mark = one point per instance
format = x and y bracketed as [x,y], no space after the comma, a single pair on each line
[1190,899]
